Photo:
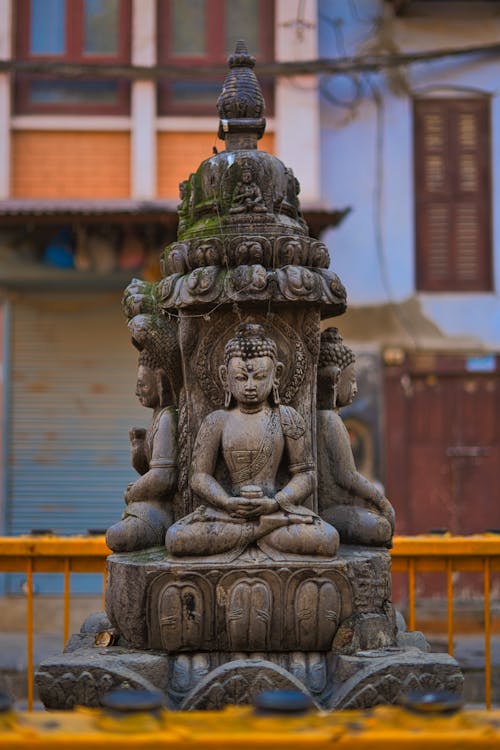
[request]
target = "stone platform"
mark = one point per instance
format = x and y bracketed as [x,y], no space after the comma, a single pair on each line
[213,632]
[252,603]
[85,672]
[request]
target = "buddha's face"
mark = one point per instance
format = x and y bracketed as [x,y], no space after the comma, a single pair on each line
[146,389]
[250,381]
[336,387]
[347,387]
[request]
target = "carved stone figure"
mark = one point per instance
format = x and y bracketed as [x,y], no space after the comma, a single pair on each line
[148,512]
[252,432]
[176,261]
[356,506]
[227,576]
[247,194]
[291,251]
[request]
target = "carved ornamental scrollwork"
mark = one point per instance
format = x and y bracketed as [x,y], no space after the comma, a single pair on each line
[212,285]
[238,248]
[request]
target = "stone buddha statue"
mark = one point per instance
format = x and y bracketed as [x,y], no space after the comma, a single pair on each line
[349,501]
[149,499]
[253,437]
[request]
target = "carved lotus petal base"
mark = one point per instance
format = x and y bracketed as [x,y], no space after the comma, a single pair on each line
[252,604]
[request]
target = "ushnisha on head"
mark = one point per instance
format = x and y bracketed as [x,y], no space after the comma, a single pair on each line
[251,371]
[336,373]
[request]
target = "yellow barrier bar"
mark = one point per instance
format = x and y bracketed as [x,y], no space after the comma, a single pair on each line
[487,635]
[67,604]
[383,728]
[86,554]
[29,629]
[93,550]
[410,554]
[430,545]
[449,603]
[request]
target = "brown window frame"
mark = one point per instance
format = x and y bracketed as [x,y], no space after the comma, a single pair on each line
[216,54]
[73,54]
[451,197]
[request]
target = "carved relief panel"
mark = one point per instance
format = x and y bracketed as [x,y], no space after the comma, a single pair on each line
[296,333]
[283,609]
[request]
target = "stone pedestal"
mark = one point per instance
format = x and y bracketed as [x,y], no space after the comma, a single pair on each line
[211,632]
[252,603]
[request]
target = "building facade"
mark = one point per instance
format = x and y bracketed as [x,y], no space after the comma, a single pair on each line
[90,167]
[414,149]
[89,185]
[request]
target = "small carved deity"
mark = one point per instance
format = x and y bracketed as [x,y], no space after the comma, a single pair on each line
[356,506]
[253,434]
[148,512]
[247,195]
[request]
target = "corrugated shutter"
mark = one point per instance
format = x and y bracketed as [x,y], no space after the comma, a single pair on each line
[453,194]
[72,403]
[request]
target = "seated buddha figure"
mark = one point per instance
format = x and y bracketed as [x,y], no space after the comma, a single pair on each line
[148,512]
[356,506]
[252,436]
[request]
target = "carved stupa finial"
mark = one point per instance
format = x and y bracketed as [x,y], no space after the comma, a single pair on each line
[241,104]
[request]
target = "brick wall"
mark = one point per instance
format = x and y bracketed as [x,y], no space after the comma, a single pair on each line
[47,164]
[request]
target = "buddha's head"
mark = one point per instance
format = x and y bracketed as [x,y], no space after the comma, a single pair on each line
[153,387]
[336,373]
[159,378]
[251,371]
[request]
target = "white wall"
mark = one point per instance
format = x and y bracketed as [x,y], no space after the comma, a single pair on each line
[375,274]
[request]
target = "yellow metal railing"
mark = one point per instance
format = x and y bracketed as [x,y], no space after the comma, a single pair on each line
[411,555]
[383,728]
[479,553]
[51,554]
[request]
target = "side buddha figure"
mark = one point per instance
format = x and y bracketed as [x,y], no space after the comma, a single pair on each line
[354,505]
[149,499]
[251,437]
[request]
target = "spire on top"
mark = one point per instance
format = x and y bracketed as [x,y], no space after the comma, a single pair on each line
[241,104]
[241,57]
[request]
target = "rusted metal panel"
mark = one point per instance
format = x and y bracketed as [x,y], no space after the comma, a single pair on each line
[73,380]
[443,449]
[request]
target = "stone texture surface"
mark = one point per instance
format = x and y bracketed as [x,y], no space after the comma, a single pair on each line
[215,679]
[252,603]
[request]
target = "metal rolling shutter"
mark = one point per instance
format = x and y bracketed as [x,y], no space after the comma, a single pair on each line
[72,403]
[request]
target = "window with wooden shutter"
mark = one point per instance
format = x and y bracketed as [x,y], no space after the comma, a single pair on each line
[453,194]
